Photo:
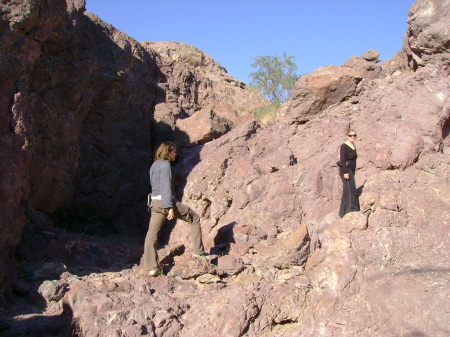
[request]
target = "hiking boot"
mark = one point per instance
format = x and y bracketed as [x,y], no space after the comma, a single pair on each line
[155,272]
[202,256]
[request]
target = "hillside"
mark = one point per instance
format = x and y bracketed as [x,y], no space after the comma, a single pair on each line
[86,106]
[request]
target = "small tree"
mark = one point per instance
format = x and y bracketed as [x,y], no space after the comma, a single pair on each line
[275,76]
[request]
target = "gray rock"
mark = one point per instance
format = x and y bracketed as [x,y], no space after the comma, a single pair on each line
[372,56]
[53,291]
[49,271]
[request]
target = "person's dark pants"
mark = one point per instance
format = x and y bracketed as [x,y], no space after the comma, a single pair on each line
[157,220]
[349,201]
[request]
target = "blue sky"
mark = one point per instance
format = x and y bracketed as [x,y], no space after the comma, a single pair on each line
[316,32]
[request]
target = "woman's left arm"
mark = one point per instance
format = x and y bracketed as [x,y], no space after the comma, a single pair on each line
[166,185]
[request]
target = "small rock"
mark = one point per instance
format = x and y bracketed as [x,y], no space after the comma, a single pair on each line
[371,56]
[52,291]
[49,271]
[208,278]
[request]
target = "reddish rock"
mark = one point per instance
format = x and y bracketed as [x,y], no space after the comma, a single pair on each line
[230,265]
[192,84]
[75,120]
[202,127]
[371,56]
[317,91]
[268,195]
[427,33]
[191,267]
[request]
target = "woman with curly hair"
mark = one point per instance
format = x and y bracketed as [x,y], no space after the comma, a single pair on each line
[164,206]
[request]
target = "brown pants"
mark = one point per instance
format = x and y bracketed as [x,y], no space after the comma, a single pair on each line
[157,220]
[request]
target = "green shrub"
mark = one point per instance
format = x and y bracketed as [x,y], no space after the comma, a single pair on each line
[267,112]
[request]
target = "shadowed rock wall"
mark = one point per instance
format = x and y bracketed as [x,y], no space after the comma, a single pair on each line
[75,121]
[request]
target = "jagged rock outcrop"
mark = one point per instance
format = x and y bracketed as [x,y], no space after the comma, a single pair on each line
[329,85]
[75,121]
[427,40]
[204,126]
[283,263]
[193,83]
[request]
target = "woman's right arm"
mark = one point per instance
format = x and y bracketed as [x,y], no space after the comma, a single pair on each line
[344,167]
[171,214]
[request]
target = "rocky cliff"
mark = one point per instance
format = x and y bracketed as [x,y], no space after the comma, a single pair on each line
[76,101]
[283,263]
[80,115]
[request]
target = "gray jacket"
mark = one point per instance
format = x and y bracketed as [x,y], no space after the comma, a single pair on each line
[161,182]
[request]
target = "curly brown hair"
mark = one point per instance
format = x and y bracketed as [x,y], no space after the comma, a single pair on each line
[164,150]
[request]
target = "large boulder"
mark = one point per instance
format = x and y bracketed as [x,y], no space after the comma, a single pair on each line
[202,127]
[329,85]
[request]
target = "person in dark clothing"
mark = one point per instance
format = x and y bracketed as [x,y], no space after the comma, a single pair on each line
[164,206]
[349,202]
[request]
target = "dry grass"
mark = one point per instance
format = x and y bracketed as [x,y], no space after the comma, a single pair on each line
[266,113]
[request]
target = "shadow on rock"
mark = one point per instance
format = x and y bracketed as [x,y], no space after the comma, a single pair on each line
[360,189]
[223,240]
[58,324]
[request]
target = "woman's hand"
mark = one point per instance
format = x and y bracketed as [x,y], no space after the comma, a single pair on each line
[346,176]
[171,214]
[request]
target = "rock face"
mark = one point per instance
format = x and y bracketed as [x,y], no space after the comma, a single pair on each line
[76,101]
[199,100]
[427,39]
[77,123]
[282,263]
